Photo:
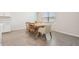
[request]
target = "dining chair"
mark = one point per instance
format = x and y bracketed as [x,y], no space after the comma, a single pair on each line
[45,30]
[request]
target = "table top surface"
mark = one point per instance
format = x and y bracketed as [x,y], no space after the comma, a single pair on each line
[37,24]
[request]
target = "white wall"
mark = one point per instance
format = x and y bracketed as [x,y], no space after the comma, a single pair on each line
[67,22]
[19,19]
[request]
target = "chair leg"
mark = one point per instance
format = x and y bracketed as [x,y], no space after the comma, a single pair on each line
[37,34]
[44,35]
[51,35]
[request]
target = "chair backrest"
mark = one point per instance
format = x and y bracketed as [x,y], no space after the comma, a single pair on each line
[48,28]
[45,29]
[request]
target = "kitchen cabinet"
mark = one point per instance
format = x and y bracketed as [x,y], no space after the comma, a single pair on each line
[6,26]
[5,19]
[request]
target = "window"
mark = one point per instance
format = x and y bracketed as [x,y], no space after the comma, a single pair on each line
[49,16]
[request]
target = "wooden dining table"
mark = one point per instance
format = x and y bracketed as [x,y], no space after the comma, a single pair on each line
[33,27]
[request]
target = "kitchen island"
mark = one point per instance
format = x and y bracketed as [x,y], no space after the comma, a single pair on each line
[1,30]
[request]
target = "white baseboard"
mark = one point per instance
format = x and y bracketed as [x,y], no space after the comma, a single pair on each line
[18,28]
[67,33]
